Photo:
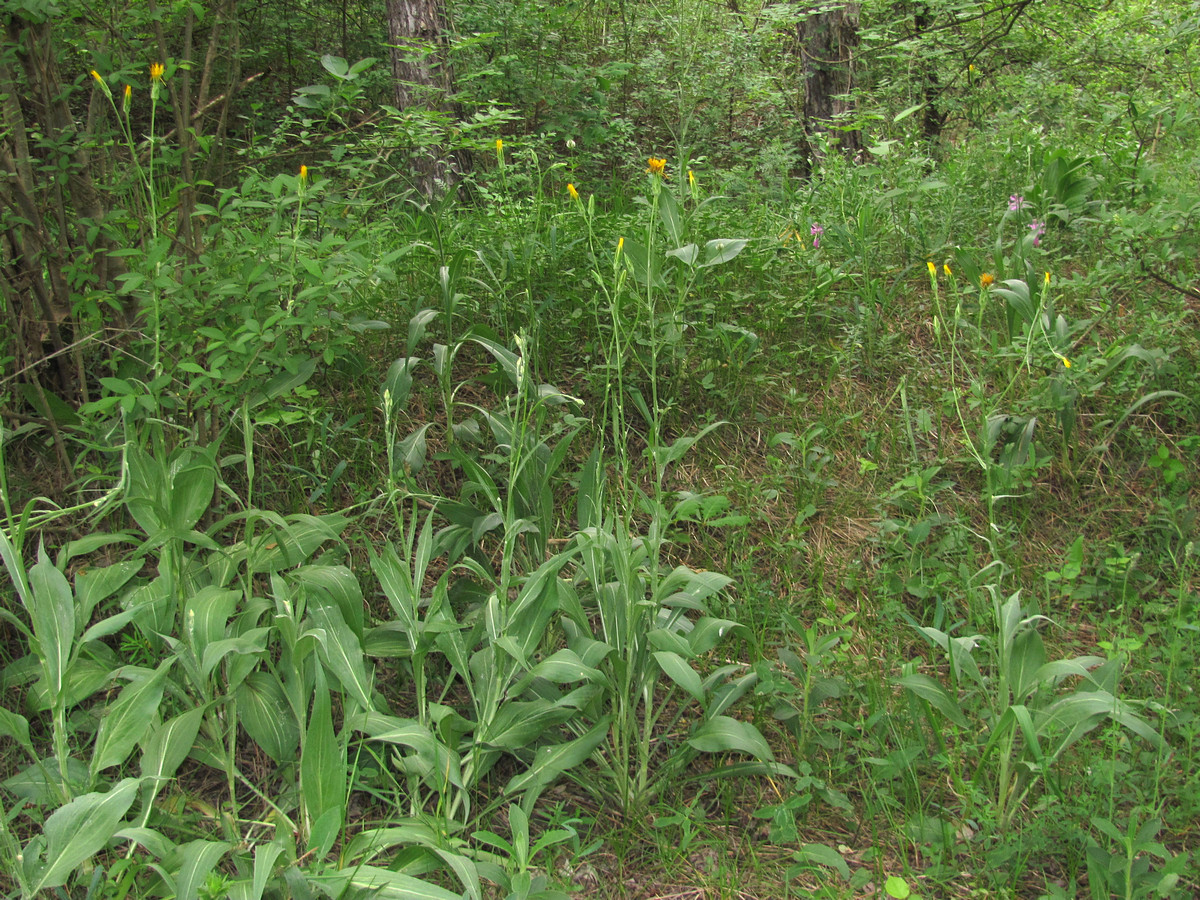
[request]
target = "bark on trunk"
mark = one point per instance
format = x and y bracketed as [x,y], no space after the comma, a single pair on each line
[826,42]
[416,33]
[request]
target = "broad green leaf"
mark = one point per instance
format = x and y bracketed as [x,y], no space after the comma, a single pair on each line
[381,884]
[517,724]
[1026,660]
[563,667]
[206,615]
[708,632]
[823,856]
[110,626]
[52,611]
[264,863]
[284,382]
[686,254]
[194,861]
[190,495]
[85,676]
[668,212]
[928,689]
[15,726]
[669,642]
[340,584]
[167,746]
[722,734]
[323,833]
[340,649]
[411,451]
[722,250]
[294,542]
[252,643]
[1080,667]
[265,714]
[680,672]
[397,384]
[322,764]
[75,832]
[156,844]
[124,722]
[92,586]
[551,761]
[689,588]
[510,362]
[724,696]
[397,584]
[145,491]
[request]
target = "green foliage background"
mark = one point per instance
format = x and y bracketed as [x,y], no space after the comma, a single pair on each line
[780,520]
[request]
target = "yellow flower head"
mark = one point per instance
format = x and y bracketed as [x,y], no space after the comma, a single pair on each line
[691,178]
[303,174]
[946,269]
[971,68]
[1066,362]
[657,167]
[128,98]
[499,145]
[986,280]
[620,245]
[102,84]
[156,71]
[1046,280]
[571,190]
[932,269]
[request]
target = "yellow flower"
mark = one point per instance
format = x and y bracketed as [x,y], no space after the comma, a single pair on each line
[620,245]
[691,179]
[657,167]
[127,99]
[932,269]
[946,268]
[303,174]
[156,71]
[571,190]
[1047,279]
[1066,362]
[971,68]
[499,145]
[986,280]
[103,84]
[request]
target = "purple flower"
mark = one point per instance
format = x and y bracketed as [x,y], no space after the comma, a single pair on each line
[816,231]
[1038,227]
[1015,202]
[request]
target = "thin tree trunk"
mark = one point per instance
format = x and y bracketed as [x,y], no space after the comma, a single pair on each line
[826,42]
[416,33]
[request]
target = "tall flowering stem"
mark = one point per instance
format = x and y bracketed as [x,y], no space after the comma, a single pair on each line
[301,191]
[145,177]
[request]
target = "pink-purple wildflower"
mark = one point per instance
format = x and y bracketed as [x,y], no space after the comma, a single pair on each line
[816,231]
[1038,227]
[1015,202]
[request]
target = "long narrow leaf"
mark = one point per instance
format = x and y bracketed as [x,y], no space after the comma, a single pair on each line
[124,722]
[75,832]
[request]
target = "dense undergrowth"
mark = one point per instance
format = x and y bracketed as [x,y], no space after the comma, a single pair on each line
[695,531]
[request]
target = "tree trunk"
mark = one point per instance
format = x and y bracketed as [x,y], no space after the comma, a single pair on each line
[825,44]
[932,119]
[416,32]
